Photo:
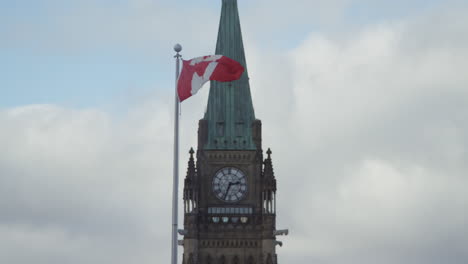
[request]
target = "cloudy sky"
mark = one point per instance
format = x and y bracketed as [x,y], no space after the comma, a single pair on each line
[364,104]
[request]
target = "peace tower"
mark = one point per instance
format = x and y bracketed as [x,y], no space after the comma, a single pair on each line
[230,189]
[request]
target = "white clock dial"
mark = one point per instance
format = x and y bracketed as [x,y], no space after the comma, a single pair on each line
[230,184]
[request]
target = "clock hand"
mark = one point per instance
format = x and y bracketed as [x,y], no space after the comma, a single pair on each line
[227,190]
[229,187]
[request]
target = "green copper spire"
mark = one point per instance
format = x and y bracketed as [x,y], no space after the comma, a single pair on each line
[230,111]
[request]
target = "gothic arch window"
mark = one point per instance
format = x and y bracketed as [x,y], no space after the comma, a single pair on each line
[235,260]
[250,260]
[269,260]
[208,259]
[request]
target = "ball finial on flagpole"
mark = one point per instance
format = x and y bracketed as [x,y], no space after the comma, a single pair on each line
[177,47]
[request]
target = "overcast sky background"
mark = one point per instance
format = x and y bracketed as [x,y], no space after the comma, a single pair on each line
[364,104]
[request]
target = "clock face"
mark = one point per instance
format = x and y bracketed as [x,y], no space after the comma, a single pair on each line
[230,184]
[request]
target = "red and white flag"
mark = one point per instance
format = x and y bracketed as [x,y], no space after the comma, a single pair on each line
[196,72]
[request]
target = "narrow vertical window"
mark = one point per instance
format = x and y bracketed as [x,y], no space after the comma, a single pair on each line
[239,129]
[220,129]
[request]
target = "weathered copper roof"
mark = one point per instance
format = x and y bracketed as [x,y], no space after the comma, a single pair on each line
[230,112]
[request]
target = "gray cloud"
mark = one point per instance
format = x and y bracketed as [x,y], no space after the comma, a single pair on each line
[377,130]
[83,182]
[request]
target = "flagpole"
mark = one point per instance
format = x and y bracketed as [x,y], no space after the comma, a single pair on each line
[177,49]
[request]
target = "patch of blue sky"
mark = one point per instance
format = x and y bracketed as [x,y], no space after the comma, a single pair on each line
[21,7]
[290,38]
[35,69]
[76,81]
[53,74]
[33,9]
[366,12]
[35,5]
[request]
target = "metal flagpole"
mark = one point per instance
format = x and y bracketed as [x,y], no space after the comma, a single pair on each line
[177,49]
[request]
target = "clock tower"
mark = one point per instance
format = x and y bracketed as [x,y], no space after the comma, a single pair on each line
[230,189]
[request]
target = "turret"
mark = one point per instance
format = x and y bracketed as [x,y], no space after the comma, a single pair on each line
[269,186]
[191,186]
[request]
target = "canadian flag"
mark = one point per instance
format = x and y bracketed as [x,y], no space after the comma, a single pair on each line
[196,72]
